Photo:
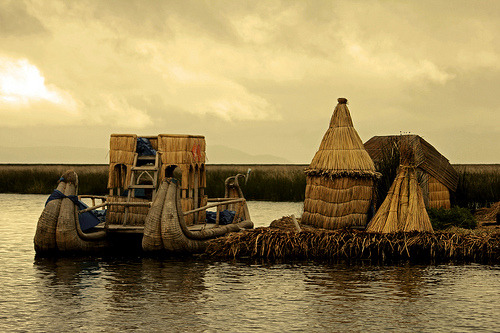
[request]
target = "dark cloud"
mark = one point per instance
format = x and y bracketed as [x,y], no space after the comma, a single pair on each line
[16,21]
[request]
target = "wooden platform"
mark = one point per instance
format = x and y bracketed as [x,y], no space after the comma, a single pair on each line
[138,229]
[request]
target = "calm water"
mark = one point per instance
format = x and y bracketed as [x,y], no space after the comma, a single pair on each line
[144,294]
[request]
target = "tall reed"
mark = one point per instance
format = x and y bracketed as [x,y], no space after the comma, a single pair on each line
[476,190]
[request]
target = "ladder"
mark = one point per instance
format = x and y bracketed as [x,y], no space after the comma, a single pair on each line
[144,175]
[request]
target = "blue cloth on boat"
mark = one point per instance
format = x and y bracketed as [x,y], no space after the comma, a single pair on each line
[139,193]
[144,147]
[87,220]
[225,217]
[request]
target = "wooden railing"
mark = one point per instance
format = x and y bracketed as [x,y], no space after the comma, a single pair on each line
[219,203]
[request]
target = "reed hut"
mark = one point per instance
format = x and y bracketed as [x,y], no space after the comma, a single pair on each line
[438,178]
[340,178]
[135,175]
[403,209]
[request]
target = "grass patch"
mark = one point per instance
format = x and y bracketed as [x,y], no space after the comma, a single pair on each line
[455,217]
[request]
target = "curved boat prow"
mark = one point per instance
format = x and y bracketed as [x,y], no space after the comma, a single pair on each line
[170,226]
[58,227]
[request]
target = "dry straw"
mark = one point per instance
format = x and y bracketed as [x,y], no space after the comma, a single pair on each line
[343,244]
[339,180]
[403,208]
[438,176]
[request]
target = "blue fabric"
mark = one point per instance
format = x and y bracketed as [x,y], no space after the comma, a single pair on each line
[144,147]
[139,193]
[87,220]
[225,217]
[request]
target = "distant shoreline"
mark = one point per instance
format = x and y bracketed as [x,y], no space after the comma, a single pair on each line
[473,168]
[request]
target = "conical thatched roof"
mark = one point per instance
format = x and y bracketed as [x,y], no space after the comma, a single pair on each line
[341,152]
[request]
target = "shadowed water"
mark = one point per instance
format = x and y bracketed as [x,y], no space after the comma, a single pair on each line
[191,295]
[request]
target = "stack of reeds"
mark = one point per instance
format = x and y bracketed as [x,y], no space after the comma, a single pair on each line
[340,178]
[403,208]
[136,214]
[122,148]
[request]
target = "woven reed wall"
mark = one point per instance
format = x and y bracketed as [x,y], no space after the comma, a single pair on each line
[340,178]
[182,149]
[122,148]
[337,203]
[136,215]
[439,195]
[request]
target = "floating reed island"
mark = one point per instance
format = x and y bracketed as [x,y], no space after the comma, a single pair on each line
[340,193]
[282,241]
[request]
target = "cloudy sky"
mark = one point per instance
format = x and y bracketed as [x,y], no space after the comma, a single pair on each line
[261,77]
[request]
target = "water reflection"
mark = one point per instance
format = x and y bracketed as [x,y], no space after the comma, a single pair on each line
[160,294]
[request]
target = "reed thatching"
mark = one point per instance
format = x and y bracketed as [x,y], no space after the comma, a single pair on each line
[437,174]
[349,245]
[339,180]
[439,195]
[122,149]
[403,208]
[184,151]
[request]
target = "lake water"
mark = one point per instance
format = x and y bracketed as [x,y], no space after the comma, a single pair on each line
[189,295]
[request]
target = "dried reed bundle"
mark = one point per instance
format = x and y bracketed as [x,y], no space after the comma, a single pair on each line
[45,236]
[151,239]
[69,236]
[438,176]
[488,214]
[345,244]
[403,208]
[340,177]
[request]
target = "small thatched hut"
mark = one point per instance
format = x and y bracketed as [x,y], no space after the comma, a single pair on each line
[437,176]
[403,208]
[340,178]
[135,169]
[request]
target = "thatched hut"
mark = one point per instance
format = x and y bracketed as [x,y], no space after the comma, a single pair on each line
[134,169]
[437,176]
[340,178]
[403,208]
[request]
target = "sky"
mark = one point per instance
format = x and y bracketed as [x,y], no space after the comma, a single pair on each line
[260,77]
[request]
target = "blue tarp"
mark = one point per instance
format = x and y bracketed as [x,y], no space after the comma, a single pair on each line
[225,217]
[87,220]
[144,147]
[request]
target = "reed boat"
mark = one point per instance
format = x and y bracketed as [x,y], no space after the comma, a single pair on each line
[156,202]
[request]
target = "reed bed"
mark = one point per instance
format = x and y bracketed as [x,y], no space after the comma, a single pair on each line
[352,245]
[261,185]
[476,188]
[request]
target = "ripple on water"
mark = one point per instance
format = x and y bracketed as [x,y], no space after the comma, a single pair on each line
[145,294]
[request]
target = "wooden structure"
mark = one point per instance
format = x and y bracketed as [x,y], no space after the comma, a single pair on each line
[437,177]
[340,178]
